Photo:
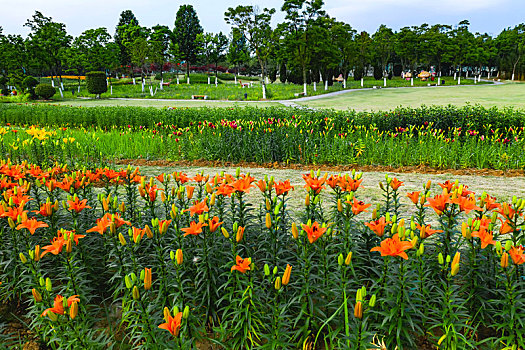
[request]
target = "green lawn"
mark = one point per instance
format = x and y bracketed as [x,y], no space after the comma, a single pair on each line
[159,104]
[508,95]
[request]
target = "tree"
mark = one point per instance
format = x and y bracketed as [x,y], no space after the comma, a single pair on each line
[255,27]
[300,17]
[406,41]
[92,50]
[510,44]
[383,45]
[126,18]
[219,46]
[160,39]
[363,44]
[238,50]
[343,38]
[187,29]
[461,44]
[48,41]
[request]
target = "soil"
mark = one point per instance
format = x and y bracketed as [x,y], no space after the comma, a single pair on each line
[420,169]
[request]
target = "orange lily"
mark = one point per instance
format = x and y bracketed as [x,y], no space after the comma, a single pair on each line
[485,237]
[242,265]
[425,231]
[466,204]
[225,190]
[517,255]
[78,205]
[214,224]
[393,247]
[314,232]
[243,184]
[395,183]
[58,305]
[172,324]
[314,184]
[439,203]
[31,225]
[194,229]
[378,226]
[414,196]
[358,206]
[282,188]
[198,208]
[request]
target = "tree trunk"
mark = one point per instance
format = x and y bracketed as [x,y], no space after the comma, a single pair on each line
[304,80]
[187,69]
[263,77]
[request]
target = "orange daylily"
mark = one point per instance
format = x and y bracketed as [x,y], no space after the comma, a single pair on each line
[393,247]
[31,225]
[414,196]
[172,324]
[194,229]
[242,265]
[314,231]
[378,226]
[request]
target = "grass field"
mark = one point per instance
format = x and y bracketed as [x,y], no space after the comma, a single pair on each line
[160,104]
[507,95]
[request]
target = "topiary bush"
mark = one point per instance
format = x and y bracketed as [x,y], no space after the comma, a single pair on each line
[378,73]
[96,83]
[29,83]
[45,91]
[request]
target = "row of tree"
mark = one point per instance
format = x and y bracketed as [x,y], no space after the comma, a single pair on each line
[307,46]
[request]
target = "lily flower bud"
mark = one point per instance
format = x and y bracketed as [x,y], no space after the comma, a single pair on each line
[505,260]
[179,256]
[73,310]
[278,283]
[295,232]
[286,275]
[36,295]
[348,259]
[358,310]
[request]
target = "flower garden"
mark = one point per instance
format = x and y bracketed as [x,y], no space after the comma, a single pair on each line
[95,256]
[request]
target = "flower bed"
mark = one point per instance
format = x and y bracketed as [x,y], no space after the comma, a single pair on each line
[100,257]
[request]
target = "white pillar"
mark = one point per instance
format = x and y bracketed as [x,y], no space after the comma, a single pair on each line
[209,82]
[454,75]
[178,82]
[459,80]
[188,80]
[110,89]
[362,82]
[304,89]
[264,91]
[216,81]
[134,82]
[384,81]
[235,79]
[315,86]
[411,81]
[344,84]
[326,85]
[439,80]
[475,80]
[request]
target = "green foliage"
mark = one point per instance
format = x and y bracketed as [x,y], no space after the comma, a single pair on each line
[96,83]
[29,82]
[187,30]
[45,91]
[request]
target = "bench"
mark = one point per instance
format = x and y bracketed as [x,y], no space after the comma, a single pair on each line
[243,85]
[196,97]
[166,84]
[299,94]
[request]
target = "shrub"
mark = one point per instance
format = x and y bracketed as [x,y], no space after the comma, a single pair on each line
[29,84]
[282,73]
[45,91]
[96,83]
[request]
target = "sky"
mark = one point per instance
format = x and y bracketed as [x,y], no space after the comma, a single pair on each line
[485,16]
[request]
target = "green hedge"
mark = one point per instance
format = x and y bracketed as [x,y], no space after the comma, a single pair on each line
[469,117]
